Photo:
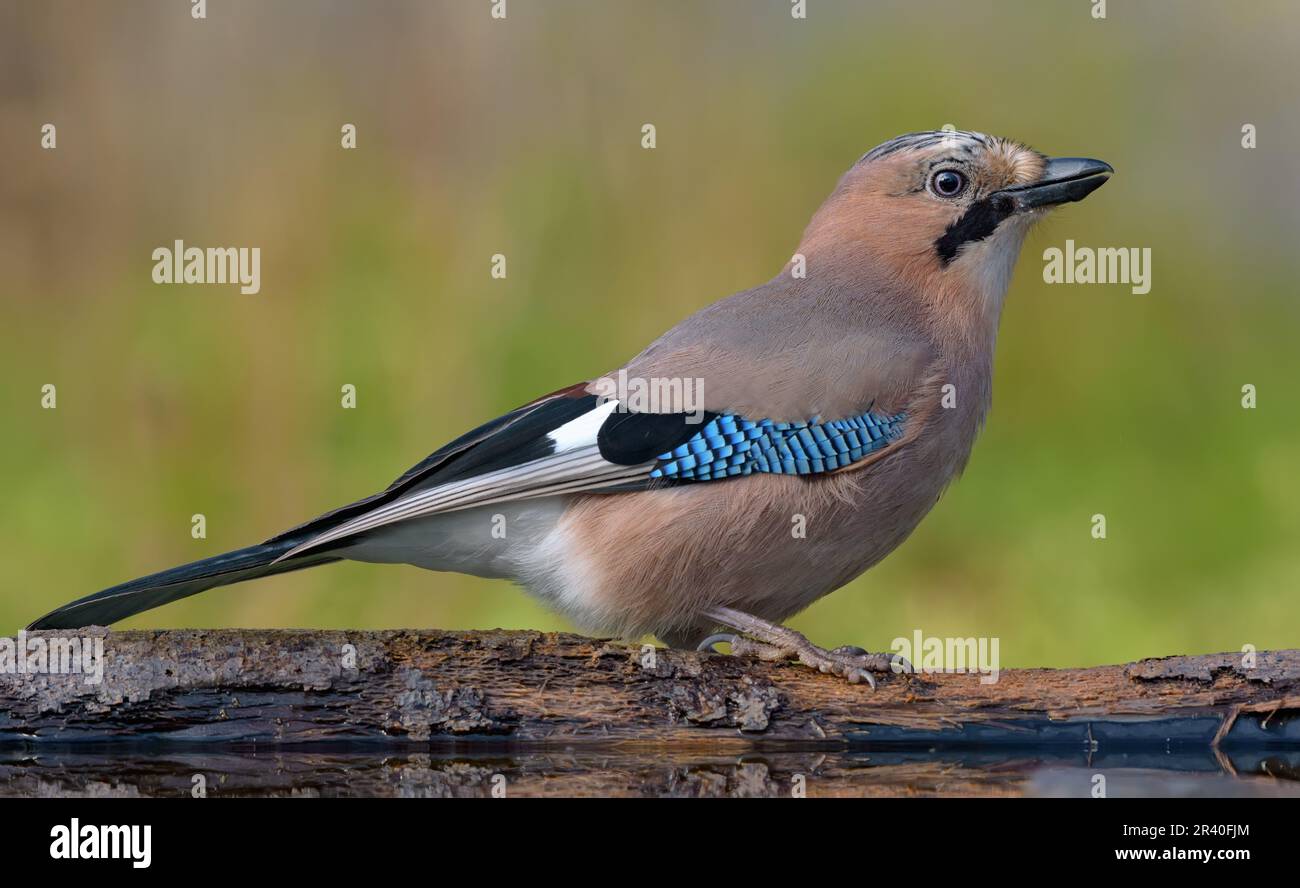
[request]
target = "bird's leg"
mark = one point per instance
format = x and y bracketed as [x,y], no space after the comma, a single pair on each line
[773,642]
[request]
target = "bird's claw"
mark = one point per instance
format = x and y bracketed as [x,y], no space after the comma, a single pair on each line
[718,638]
[878,662]
[854,668]
[851,663]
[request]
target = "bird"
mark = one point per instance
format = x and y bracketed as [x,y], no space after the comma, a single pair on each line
[804,428]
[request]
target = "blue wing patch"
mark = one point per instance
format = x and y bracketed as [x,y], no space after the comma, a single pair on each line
[729,446]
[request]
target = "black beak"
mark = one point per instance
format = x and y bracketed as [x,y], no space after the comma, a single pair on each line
[1064,180]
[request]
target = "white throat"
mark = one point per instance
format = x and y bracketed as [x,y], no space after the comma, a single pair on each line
[989,264]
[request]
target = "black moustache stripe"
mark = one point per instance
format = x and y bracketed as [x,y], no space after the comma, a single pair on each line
[977,223]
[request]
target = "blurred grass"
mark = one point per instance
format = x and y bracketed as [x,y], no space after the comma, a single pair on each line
[522,137]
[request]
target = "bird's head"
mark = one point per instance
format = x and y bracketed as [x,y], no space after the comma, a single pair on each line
[946,212]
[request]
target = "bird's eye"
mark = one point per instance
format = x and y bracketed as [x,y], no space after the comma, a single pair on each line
[948,183]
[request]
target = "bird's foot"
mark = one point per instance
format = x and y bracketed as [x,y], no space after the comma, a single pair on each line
[773,642]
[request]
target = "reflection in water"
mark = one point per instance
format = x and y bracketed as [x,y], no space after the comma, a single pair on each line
[170,770]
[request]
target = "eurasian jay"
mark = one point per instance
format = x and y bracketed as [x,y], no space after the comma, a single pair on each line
[834,404]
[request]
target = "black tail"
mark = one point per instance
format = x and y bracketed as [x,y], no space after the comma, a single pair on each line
[120,602]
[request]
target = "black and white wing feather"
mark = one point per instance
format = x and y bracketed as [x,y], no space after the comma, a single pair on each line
[572,442]
[564,442]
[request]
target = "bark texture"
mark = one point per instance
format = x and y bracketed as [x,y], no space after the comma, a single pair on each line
[462,713]
[394,687]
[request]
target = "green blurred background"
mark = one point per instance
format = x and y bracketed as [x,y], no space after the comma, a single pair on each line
[522,137]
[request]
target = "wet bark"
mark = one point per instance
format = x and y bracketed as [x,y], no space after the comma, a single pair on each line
[452,714]
[417,688]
